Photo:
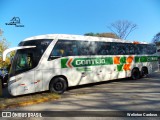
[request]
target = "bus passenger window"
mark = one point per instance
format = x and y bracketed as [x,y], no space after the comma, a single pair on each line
[121,49]
[151,49]
[64,48]
[71,48]
[103,48]
[57,51]
[83,48]
[114,50]
[140,49]
[144,49]
[93,48]
[131,49]
[137,50]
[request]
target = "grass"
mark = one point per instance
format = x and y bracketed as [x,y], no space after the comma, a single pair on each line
[7,103]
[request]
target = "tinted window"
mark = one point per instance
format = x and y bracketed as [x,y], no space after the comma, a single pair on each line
[139,48]
[104,48]
[83,48]
[151,49]
[121,47]
[131,49]
[87,48]
[64,48]
[114,49]
[73,48]
[142,49]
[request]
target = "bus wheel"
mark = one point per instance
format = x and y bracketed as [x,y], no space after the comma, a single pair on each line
[144,72]
[135,74]
[58,85]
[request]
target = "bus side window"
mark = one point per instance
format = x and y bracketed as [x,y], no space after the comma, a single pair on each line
[151,49]
[64,48]
[101,48]
[145,49]
[57,51]
[137,50]
[131,48]
[114,50]
[71,48]
[93,48]
[107,48]
[121,49]
[140,49]
[83,48]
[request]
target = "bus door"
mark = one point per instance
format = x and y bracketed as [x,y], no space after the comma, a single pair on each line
[23,65]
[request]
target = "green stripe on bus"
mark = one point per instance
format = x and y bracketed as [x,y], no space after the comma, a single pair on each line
[145,59]
[81,62]
[63,63]
[97,61]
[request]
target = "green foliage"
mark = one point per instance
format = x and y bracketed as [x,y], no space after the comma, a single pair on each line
[90,34]
[4,44]
[107,35]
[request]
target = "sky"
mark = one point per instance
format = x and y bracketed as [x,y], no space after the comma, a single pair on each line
[78,17]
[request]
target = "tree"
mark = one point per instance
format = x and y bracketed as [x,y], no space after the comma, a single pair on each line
[108,35]
[122,28]
[90,34]
[3,46]
[156,39]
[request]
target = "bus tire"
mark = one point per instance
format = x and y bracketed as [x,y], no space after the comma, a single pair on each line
[135,74]
[144,72]
[58,85]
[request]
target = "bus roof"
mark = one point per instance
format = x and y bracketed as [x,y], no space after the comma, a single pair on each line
[78,37]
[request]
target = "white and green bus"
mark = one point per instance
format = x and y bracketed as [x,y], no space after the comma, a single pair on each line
[56,61]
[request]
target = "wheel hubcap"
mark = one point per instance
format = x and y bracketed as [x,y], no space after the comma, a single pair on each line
[58,86]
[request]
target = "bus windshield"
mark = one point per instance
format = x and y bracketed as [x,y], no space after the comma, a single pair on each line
[24,60]
[27,59]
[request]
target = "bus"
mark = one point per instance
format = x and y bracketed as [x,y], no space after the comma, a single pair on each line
[55,62]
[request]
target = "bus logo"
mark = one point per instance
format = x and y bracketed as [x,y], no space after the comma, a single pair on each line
[81,62]
[122,63]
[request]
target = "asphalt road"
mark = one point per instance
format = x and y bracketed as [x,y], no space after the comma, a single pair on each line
[115,95]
